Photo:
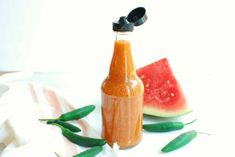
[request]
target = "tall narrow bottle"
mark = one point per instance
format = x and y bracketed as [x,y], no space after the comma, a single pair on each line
[122,93]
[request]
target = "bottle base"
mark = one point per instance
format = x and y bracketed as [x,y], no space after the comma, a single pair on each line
[124,146]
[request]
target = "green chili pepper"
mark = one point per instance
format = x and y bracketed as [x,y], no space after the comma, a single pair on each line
[179,141]
[65,125]
[90,152]
[165,126]
[75,114]
[81,140]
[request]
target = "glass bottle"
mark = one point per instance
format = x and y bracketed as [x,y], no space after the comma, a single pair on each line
[122,95]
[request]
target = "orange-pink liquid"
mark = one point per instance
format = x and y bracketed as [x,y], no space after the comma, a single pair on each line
[122,99]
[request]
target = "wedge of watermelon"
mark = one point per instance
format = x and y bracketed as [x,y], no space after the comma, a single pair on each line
[163,95]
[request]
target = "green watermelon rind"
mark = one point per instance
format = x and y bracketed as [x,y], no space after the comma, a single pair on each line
[165,113]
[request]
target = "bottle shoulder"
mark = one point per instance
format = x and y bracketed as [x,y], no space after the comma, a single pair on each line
[129,87]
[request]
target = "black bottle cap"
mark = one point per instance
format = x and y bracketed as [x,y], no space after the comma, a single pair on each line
[135,18]
[123,25]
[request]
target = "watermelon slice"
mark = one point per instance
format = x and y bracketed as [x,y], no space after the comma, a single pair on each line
[163,95]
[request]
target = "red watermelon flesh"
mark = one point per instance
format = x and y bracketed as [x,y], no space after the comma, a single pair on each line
[163,95]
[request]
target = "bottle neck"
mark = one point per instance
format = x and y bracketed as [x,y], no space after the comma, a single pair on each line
[123,36]
[122,66]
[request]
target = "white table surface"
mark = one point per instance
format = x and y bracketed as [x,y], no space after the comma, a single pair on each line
[211,109]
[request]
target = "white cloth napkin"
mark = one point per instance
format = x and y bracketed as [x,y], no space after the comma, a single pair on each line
[22,135]
[20,132]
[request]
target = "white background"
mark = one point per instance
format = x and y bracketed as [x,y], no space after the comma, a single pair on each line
[197,36]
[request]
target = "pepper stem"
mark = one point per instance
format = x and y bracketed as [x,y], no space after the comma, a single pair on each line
[48,119]
[57,155]
[190,122]
[205,133]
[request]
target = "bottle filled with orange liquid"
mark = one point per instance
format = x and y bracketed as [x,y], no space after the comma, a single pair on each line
[122,90]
